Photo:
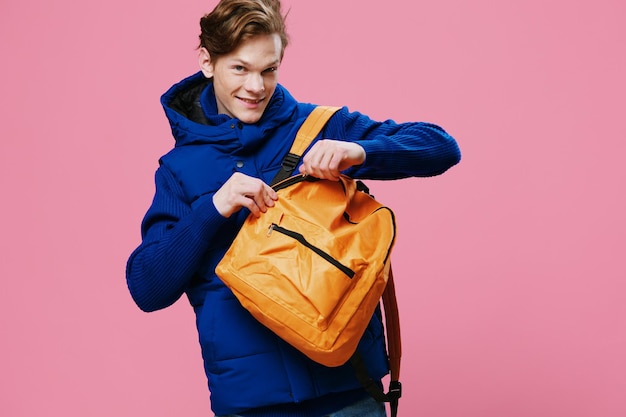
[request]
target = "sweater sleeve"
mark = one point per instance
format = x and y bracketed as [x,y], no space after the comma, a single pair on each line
[395,150]
[175,237]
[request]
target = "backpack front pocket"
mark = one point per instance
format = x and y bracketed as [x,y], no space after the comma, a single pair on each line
[325,255]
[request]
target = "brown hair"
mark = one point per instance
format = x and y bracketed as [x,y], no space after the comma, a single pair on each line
[233,21]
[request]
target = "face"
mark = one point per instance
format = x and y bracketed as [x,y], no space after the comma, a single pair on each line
[245,79]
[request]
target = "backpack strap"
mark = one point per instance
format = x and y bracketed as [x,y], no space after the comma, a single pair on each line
[311,127]
[392,321]
[392,326]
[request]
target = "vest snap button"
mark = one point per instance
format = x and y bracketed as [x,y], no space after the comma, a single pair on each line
[239,164]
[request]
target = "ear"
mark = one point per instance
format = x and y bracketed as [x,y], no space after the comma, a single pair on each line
[206,65]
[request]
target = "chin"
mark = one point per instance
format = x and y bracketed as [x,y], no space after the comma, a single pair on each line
[250,118]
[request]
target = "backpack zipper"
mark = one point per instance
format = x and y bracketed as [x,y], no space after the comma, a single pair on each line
[297,236]
[288,182]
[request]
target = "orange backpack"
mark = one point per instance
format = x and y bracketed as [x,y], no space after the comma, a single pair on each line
[313,268]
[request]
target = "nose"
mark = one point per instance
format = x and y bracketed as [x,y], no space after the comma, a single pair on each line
[255,83]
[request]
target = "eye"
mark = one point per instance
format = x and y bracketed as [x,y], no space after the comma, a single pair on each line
[239,68]
[271,69]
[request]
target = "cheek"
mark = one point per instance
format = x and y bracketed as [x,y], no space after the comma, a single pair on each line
[270,81]
[270,86]
[225,85]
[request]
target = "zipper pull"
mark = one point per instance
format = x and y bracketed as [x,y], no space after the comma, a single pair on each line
[270,229]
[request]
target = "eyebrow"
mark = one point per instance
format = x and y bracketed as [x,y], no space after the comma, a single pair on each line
[247,64]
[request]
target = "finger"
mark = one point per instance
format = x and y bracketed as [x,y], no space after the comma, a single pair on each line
[327,167]
[252,206]
[263,199]
[311,159]
[272,193]
[334,166]
[313,165]
[270,198]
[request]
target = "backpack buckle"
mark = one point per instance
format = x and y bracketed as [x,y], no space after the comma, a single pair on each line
[290,162]
[395,390]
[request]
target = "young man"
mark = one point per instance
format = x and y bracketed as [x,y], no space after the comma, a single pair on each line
[233,124]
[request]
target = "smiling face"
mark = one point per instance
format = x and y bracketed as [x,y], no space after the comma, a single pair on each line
[245,79]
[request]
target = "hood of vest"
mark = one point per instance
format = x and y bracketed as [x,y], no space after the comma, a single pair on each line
[191,110]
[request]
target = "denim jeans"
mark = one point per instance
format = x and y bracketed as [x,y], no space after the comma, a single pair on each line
[367,407]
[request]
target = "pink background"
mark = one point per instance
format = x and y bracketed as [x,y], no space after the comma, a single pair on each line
[510,267]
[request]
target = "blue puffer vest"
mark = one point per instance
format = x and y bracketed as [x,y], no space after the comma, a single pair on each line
[247,365]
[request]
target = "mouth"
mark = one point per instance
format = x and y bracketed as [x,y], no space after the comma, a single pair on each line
[251,101]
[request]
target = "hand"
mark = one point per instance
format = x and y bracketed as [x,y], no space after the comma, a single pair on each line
[327,158]
[244,191]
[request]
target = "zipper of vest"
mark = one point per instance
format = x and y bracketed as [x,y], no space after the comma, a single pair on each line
[297,236]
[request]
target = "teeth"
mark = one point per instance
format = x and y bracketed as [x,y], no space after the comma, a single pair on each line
[251,101]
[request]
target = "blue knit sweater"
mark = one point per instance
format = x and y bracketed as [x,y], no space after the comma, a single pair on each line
[250,371]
